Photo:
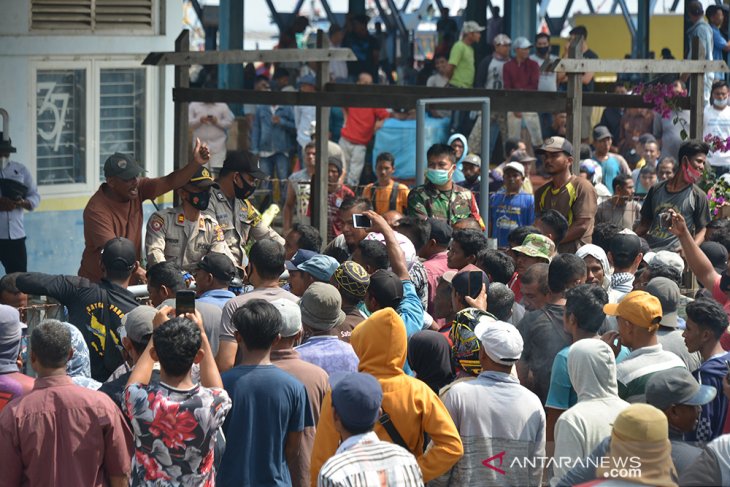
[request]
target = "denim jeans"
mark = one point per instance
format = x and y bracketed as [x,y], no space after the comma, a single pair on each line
[276,166]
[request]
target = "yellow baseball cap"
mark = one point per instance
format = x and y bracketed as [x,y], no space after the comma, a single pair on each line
[638,307]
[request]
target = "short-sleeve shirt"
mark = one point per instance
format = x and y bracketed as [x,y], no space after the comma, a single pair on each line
[268,404]
[690,202]
[576,199]
[462,58]
[622,215]
[611,168]
[228,330]
[509,211]
[302,184]
[391,197]
[174,432]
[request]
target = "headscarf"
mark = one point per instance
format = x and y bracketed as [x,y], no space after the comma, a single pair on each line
[429,355]
[79,365]
[600,255]
[465,344]
[10,338]
[463,141]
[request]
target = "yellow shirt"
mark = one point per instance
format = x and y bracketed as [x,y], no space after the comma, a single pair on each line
[381,201]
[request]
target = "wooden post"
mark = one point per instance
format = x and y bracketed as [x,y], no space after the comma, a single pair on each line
[696,93]
[319,191]
[182,80]
[574,105]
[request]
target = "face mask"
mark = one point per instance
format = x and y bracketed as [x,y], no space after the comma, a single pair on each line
[542,50]
[199,200]
[690,174]
[244,192]
[439,177]
[471,179]
[719,103]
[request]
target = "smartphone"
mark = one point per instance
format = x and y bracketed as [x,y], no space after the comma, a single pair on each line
[184,302]
[361,221]
[665,219]
[475,283]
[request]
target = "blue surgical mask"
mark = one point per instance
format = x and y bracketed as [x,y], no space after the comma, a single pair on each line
[719,103]
[439,177]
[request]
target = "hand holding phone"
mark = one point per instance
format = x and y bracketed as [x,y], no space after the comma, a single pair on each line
[361,221]
[184,302]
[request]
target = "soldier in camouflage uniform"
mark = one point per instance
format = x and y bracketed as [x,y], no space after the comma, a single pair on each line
[440,198]
[185,234]
[230,206]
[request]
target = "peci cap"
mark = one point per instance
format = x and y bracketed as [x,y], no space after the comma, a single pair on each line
[601,132]
[667,258]
[461,283]
[352,278]
[717,253]
[536,245]
[639,308]
[243,161]
[292,316]
[119,254]
[137,324]
[357,397]
[441,232]
[522,43]
[387,288]
[471,26]
[677,386]
[202,179]
[502,40]
[472,159]
[556,144]
[10,327]
[319,266]
[501,341]
[299,258]
[667,292]
[219,265]
[516,166]
[121,166]
[320,307]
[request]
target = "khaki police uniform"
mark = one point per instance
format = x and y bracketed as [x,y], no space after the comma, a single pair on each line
[239,222]
[167,240]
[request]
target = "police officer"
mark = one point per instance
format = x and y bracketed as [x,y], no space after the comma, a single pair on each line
[230,207]
[185,234]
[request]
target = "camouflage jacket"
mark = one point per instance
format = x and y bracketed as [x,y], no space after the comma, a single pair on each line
[428,201]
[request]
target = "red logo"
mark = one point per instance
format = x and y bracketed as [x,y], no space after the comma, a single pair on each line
[488,462]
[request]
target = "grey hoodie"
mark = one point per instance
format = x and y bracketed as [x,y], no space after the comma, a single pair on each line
[592,371]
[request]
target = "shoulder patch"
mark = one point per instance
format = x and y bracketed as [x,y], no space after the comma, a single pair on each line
[219,195]
[218,233]
[180,219]
[156,222]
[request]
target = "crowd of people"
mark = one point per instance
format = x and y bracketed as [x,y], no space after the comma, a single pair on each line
[555,341]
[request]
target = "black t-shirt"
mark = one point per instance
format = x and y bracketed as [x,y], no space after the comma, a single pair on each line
[363,48]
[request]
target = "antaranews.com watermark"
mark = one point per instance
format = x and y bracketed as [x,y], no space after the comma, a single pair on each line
[619,467]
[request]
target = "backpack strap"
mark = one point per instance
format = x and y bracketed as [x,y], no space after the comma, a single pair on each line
[386,423]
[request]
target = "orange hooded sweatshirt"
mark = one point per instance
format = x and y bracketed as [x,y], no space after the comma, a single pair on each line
[380,343]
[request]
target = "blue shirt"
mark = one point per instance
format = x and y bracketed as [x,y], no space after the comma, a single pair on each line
[329,353]
[611,168]
[718,42]
[268,404]
[507,212]
[411,312]
[218,297]
[561,394]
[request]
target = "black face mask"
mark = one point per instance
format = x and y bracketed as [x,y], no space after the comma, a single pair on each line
[199,200]
[542,50]
[471,179]
[244,192]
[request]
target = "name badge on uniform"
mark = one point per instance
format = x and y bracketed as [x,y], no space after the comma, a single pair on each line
[338,202]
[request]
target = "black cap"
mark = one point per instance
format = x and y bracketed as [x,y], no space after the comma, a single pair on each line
[440,231]
[600,132]
[717,253]
[119,254]
[625,244]
[202,179]
[462,284]
[121,166]
[6,146]
[242,161]
[219,265]
[387,288]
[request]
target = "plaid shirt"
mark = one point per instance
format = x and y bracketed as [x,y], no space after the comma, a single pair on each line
[365,460]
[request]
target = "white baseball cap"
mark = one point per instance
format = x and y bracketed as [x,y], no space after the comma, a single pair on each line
[501,341]
[516,166]
[665,257]
[471,26]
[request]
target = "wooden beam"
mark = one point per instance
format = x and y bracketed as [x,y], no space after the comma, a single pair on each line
[574,105]
[182,81]
[697,94]
[239,57]
[322,117]
[649,66]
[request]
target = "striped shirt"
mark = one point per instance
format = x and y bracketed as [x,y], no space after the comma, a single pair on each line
[364,460]
[634,372]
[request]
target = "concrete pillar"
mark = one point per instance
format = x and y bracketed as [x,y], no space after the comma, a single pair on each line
[520,17]
[230,76]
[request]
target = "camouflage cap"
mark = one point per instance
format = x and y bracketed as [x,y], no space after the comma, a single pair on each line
[536,245]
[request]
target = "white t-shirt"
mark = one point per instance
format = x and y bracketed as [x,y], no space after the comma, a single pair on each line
[495,78]
[548,81]
[717,122]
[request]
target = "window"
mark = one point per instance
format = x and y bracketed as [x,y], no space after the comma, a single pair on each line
[84,112]
[61,127]
[121,114]
[132,16]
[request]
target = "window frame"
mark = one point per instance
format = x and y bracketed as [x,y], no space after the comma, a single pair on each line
[94,169]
